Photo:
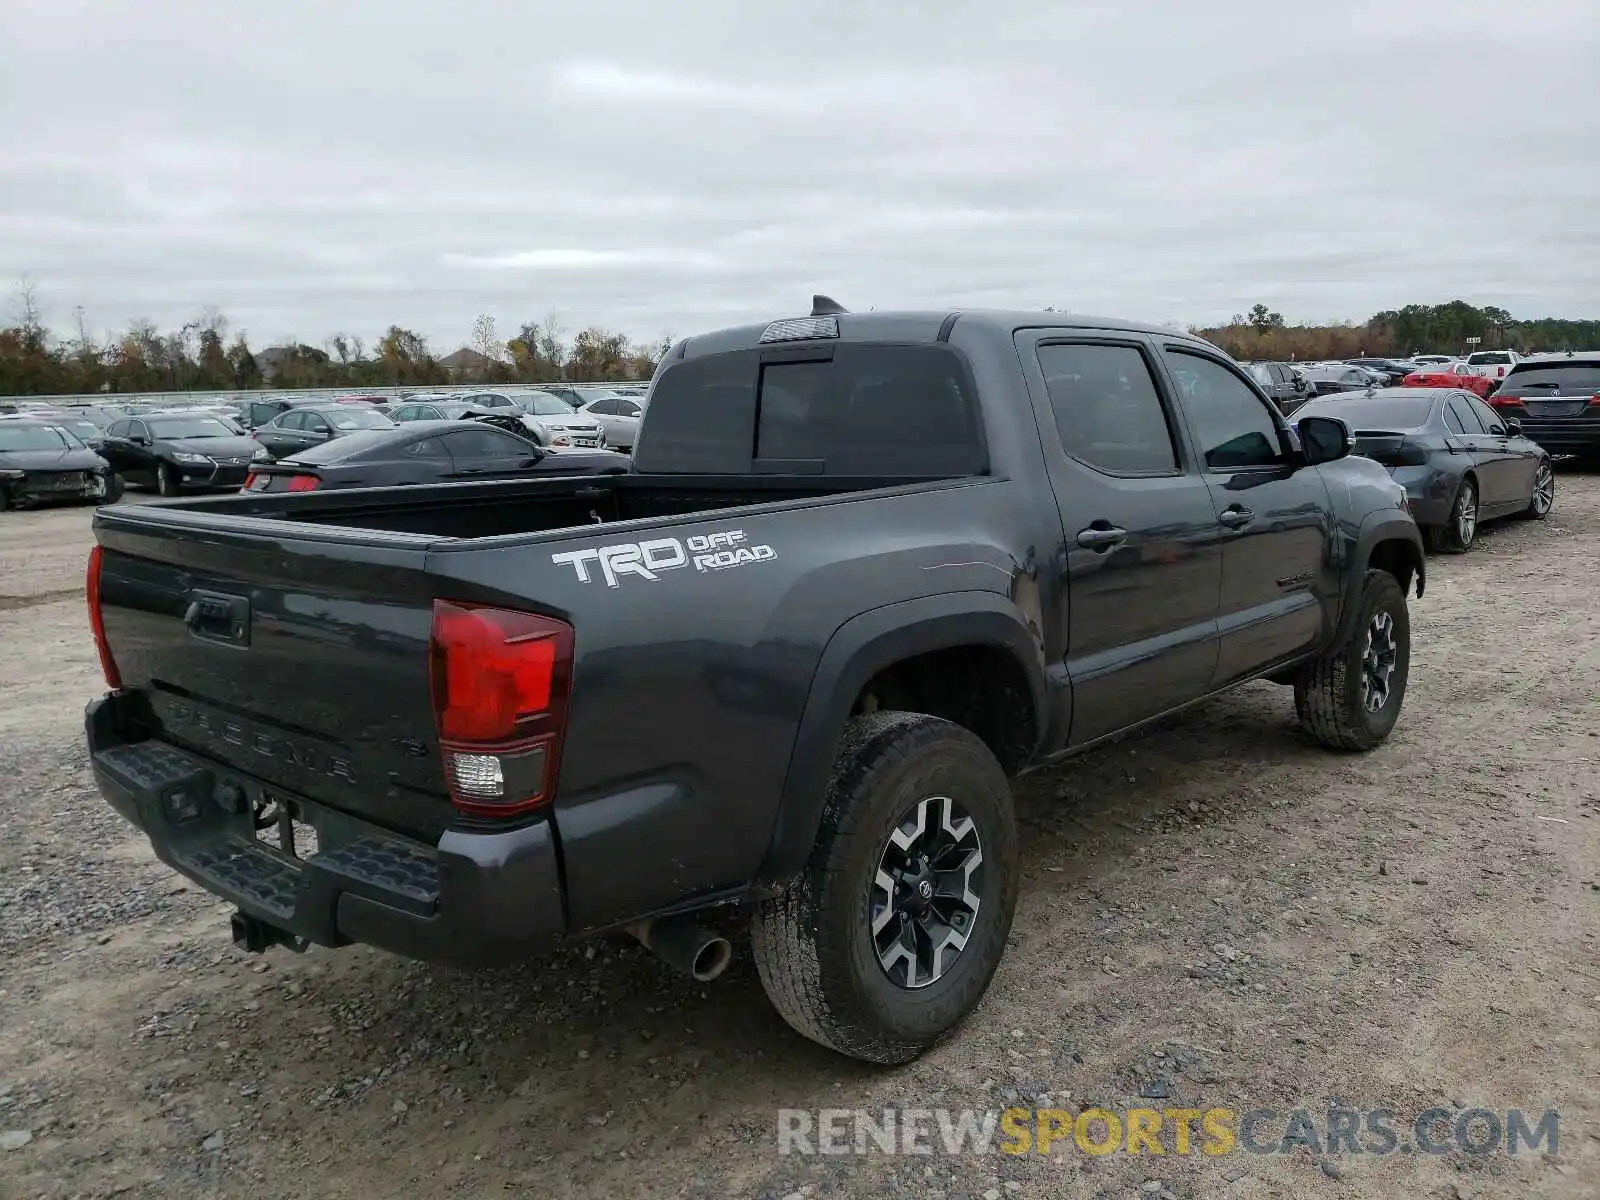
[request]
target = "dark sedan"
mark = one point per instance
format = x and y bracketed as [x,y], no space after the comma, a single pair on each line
[173,451]
[439,410]
[40,460]
[1393,370]
[1557,399]
[1460,462]
[426,452]
[1328,378]
[309,425]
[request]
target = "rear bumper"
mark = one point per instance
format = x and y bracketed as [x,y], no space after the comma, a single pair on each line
[474,899]
[1571,435]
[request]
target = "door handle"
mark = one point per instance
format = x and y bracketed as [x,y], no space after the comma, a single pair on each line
[1236,517]
[1101,537]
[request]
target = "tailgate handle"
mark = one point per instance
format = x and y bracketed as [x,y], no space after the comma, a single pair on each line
[219,617]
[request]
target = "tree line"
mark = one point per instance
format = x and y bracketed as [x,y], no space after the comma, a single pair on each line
[1263,335]
[207,354]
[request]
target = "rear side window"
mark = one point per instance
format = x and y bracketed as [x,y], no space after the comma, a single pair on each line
[895,411]
[1466,416]
[702,416]
[1107,411]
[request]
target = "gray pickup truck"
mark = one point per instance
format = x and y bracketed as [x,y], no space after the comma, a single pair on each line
[865,568]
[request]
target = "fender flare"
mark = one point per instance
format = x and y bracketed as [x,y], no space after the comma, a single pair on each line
[1378,527]
[857,651]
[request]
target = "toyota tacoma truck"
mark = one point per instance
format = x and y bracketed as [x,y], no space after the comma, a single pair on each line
[866,568]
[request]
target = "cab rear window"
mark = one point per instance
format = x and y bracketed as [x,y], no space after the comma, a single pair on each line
[899,411]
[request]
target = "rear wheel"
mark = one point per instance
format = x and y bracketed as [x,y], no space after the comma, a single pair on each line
[1544,492]
[894,928]
[167,481]
[1456,535]
[1350,699]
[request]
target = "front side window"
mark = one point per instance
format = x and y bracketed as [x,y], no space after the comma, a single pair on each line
[1234,428]
[1490,422]
[1107,411]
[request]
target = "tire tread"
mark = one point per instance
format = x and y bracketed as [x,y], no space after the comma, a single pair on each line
[787,938]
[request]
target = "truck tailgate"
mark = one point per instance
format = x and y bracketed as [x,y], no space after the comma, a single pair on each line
[296,655]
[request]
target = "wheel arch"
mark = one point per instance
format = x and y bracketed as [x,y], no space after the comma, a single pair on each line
[1388,541]
[869,647]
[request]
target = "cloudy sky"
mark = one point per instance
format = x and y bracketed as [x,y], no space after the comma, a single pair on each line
[316,167]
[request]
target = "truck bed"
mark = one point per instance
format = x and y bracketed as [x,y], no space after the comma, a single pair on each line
[498,509]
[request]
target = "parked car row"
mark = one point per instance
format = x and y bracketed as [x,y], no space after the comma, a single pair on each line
[1550,402]
[1460,461]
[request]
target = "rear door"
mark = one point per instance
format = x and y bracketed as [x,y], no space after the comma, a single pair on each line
[1512,459]
[1143,555]
[1279,588]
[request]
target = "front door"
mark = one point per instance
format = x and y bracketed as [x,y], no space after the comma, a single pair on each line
[1143,555]
[1279,587]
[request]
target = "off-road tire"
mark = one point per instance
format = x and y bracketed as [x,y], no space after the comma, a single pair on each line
[813,945]
[1446,538]
[1328,694]
[168,481]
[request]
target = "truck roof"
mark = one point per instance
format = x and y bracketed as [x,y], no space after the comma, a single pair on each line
[927,325]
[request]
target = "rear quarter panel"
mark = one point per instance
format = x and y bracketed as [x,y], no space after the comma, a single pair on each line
[690,681]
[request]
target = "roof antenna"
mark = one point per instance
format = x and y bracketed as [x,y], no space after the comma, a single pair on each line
[826,306]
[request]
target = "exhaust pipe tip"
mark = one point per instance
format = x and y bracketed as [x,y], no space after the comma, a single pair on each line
[713,959]
[681,943]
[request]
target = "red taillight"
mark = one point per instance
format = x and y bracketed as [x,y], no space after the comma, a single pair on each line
[250,481]
[304,483]
[1594,401]
[1505,402]
[97,625]
[500,682]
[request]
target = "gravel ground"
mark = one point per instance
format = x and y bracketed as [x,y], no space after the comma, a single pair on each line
[1214,913]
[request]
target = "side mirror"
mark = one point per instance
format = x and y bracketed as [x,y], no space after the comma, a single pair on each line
[1324,439]
[139,440]
[1513,427]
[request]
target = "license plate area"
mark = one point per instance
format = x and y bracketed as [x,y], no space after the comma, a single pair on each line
[280,824]
[1555,408]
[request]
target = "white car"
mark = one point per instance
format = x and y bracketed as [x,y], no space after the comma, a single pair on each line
[551,420]
[619,416]
[1494,363]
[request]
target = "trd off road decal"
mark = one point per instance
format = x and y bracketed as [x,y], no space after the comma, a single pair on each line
[703,552]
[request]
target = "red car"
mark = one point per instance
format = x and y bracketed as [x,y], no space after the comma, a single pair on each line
[1451,375]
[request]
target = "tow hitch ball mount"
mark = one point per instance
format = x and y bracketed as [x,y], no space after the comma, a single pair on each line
[258,936]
